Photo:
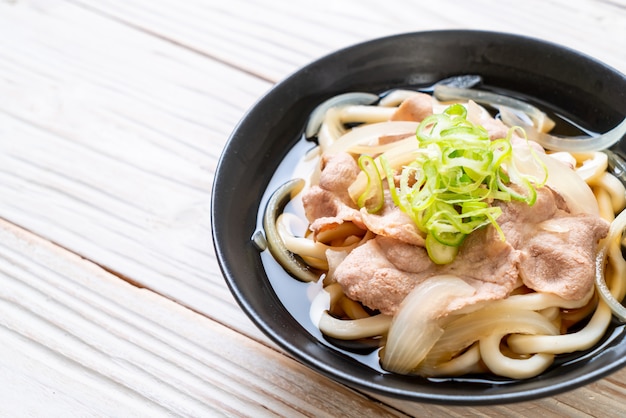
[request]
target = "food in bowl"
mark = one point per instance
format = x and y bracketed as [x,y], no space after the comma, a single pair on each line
[263,149]
[455,243]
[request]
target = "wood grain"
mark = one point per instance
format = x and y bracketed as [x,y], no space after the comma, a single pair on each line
[110,138]
[114,349]
[271,40]
[78,338]
[112,119]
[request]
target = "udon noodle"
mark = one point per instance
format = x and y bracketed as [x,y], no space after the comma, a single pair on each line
[516,334]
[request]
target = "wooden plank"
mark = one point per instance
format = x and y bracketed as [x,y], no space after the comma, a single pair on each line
[272,40]
[157,146]
[76,338]
[109,139]
[93,157]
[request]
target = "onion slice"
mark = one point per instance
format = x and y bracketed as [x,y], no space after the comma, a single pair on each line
[540,120]
[613,238]
[288,260]
[415,328]
[561,143]
[351,329]
[373,197]
[561,178]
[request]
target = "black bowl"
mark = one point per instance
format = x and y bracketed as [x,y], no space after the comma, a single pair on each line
[256,160]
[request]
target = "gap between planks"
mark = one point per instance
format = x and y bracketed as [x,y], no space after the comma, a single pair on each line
[76,325]
[152,32]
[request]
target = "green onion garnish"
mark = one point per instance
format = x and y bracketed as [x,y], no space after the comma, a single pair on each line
[372,199]
[448,189]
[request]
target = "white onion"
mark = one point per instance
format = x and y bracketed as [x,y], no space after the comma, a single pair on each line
[598,143]
[415,328]
[275,244]
[352,329]
[561,178]
[615,233]
[560,143]
[539,118]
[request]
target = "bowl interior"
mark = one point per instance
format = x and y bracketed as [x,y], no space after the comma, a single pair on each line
[575,86]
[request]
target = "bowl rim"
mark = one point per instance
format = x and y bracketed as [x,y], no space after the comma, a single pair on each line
[286,342]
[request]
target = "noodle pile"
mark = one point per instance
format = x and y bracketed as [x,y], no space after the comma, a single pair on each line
[517,336]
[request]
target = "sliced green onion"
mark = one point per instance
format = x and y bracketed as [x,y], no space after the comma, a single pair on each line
[448,188]
[373,198]
[440,253]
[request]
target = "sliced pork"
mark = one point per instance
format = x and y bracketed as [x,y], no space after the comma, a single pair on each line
[328,204]
[391,222]
[416,108]
[549,249]
[381,272]
[546,248]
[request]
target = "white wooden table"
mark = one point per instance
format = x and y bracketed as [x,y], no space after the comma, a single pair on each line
[113,115]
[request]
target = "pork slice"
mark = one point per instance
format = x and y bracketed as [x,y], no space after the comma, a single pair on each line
[486,258]
[545,246]
[557,249]
[382,272]
[368,276]
[518,220]
[496,128]
[558,256]
[480,116]
[392,222]
[338,172]
[325,210]
[328,204]
[415,108]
